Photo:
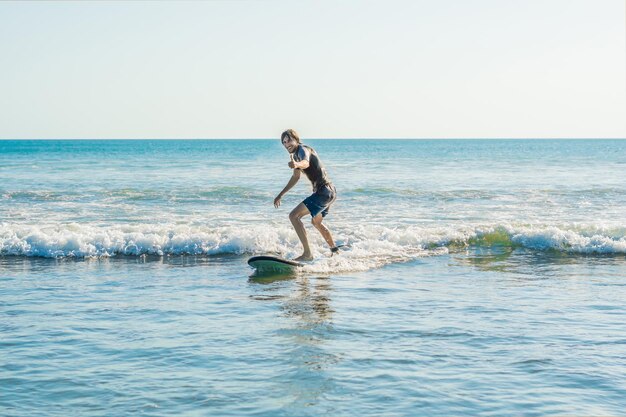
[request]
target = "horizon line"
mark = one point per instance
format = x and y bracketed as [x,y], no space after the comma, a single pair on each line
[330,138]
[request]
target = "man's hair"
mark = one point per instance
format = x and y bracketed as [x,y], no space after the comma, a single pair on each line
[291,133]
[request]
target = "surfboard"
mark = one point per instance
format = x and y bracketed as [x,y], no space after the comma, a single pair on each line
[266,263]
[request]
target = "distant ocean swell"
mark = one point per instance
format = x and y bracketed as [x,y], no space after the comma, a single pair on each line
[381,244]
[246,193]
[137,194]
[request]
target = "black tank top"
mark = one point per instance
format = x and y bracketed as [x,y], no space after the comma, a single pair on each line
[316,173]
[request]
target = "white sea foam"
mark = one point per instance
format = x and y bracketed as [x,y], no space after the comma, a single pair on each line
[570,241]
[74,240]
[369,246]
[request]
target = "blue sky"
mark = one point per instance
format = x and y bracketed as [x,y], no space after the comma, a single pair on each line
[329,69]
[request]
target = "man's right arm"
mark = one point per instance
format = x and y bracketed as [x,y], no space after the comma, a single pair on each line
[292,181]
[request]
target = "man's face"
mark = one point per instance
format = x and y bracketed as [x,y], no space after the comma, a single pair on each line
[290,144]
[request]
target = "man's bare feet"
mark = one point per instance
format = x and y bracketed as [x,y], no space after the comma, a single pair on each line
[304,257]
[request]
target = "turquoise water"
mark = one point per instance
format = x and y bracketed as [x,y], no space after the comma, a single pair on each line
[482,278]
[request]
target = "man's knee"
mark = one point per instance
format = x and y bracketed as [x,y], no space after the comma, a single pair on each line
[294,216]
[317,221]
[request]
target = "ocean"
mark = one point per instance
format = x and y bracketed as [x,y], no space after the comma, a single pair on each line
[479,277]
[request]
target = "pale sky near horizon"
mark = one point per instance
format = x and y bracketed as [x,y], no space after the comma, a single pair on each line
[329,69]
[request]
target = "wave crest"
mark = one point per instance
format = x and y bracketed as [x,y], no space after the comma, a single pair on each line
[370,246]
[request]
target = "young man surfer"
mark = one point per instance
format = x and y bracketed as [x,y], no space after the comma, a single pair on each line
[304,158]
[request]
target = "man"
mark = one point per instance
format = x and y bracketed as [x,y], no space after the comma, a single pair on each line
[304,158]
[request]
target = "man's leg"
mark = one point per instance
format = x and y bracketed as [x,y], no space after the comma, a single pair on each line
[295,216]
[317,222]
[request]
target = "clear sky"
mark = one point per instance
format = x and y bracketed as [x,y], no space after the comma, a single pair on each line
[329,69]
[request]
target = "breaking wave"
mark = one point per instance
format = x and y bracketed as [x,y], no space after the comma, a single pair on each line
[369,246]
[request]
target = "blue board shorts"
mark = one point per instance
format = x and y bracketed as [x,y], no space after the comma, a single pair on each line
[320,201]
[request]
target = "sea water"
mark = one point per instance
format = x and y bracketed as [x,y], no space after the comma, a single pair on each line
[480,277]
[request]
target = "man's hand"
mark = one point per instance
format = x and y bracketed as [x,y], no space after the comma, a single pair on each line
[277,201]
[292,163]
